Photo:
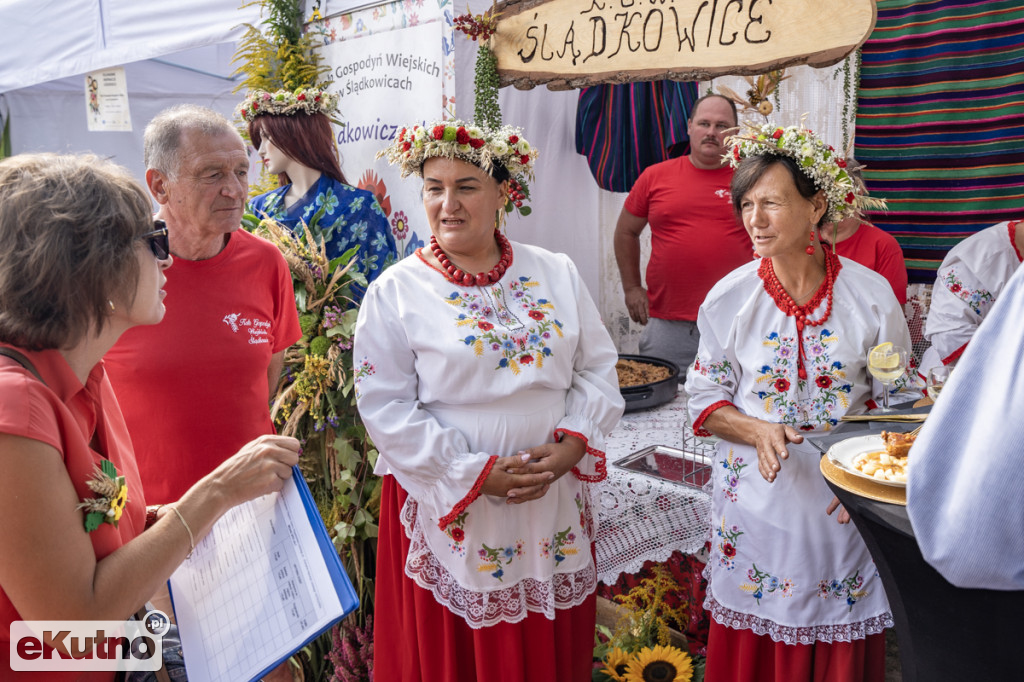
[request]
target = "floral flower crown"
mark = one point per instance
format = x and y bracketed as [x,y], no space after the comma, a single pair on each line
[817,160]
[287,103]
[477,145]
[481,146]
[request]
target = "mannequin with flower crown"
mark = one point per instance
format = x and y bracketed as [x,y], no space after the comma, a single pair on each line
[292,134]
[487,381]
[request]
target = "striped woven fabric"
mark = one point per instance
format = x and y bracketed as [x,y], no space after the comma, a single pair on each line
[940,121]
[622,129]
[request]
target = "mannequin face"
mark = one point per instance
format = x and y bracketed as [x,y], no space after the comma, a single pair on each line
[274,160]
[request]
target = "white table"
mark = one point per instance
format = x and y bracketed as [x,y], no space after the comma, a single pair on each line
[641,518]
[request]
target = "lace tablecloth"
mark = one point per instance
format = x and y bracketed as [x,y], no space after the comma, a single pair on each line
[642,518]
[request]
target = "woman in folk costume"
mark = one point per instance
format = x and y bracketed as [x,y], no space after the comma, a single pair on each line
[488,383]
[967,284]
[292,133]
[793,595]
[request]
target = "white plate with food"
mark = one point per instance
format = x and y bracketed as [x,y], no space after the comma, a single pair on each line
[868,457]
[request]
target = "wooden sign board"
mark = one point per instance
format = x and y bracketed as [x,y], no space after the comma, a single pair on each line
[575,43]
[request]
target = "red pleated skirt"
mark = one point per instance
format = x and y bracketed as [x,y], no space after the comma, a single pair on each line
[742,656]
[416,639]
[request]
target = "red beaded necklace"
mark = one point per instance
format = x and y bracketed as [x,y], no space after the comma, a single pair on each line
[802,313]
[481,279]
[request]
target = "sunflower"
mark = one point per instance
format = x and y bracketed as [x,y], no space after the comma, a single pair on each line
[660,664]
[615,664]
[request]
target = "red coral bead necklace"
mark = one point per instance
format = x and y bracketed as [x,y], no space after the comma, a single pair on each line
[802,313]
[455,275]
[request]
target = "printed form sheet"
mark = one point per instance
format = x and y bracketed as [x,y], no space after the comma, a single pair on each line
[254,591]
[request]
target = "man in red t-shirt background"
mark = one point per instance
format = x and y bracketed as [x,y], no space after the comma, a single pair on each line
[696,238]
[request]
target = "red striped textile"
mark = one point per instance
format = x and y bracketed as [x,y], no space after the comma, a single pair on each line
[624,128]
[940,121]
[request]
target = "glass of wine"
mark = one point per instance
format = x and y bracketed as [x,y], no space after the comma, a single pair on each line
[937,378]
[887,362]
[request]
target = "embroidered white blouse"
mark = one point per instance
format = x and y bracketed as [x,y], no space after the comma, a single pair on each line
[779,565]
[447,379]
[971,277]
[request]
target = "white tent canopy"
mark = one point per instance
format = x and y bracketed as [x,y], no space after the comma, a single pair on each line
[46,40]
[172,53]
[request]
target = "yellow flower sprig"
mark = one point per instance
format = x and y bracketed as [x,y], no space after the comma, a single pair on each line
[108,504]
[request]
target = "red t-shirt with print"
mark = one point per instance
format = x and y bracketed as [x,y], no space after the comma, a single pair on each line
[194,389]
[695,236]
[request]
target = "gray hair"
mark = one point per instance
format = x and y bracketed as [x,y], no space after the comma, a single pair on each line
[162,139]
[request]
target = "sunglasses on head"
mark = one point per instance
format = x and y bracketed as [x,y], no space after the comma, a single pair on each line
[158,240]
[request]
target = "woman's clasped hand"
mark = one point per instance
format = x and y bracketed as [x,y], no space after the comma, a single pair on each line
[529,474]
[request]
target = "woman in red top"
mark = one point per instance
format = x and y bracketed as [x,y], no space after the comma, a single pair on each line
[867,244]
[82,262]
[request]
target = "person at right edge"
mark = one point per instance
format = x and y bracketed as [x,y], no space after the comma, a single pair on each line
[695,237]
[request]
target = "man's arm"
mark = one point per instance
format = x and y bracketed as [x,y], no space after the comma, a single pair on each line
[627,256]
[274,372]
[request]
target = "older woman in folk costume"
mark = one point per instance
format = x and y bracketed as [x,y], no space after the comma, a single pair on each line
[292,133]
[784,344]
[487,382]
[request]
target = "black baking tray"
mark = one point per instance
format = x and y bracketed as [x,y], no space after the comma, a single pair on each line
[655,393]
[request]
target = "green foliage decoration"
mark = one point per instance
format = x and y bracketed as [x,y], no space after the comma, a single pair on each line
[315,399]
[485,82]
[281,56]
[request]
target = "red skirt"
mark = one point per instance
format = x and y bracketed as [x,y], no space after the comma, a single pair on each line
[417,639]
[740,655]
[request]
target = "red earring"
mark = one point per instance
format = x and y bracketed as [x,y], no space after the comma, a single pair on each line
[810,247]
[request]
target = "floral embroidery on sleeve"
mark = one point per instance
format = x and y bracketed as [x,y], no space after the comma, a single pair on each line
[818,400]
[717,372]
[976,299]
[727,547]
[848,589]
[761,583]
[733,466]
[364,370]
